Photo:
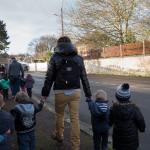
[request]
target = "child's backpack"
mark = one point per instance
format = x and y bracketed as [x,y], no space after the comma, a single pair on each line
[68,74]
[27,116]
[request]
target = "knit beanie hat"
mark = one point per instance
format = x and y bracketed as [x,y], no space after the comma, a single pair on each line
[101,95]
[123,93]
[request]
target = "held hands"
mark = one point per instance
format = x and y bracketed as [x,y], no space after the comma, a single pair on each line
[44,98]
[88,99]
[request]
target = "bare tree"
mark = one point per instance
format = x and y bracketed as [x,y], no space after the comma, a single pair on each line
[142,27]
[112,17]
[42,46]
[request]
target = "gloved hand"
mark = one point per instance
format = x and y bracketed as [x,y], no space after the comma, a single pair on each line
[44,98]
[88,99]
[42,102]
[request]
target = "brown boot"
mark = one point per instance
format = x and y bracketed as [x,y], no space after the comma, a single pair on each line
[59,139]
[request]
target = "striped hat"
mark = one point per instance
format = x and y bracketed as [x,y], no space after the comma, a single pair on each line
[123,93]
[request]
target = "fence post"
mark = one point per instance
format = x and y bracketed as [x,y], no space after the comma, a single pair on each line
[143,47]
[104,52]
[120,50]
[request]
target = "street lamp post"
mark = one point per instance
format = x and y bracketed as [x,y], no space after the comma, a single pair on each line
[62,18]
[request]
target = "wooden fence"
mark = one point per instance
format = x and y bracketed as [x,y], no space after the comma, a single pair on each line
[132,49]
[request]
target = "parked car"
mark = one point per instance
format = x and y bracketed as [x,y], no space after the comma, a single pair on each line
[24,65]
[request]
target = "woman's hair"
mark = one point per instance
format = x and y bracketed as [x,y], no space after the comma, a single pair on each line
[21,97]
[64,39]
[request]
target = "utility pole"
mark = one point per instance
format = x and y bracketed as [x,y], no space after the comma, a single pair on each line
[62,18]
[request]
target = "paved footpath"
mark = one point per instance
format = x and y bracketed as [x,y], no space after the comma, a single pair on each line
[44,128]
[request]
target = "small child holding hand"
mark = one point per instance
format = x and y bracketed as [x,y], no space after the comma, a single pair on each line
[99,118]
[24,113]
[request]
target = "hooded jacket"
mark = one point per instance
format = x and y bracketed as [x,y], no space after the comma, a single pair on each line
[25,116]
[62,51]
[126,119]
[99,115]
[6,123]
[29,81]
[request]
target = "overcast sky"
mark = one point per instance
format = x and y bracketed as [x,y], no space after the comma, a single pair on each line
[29,19]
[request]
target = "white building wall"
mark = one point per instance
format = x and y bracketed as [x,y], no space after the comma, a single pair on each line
[138,65]
[38,66]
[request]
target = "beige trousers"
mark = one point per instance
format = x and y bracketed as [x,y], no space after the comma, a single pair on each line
[61,101]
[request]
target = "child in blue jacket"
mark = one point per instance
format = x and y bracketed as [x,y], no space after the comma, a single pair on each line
[99,118]
[24,114]
[6,127]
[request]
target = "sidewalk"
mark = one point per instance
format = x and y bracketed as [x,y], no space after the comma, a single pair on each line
[44,128]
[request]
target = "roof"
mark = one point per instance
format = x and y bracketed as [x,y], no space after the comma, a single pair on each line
[4,58]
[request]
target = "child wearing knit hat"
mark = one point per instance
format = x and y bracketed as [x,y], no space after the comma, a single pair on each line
[126,119]
[99,118]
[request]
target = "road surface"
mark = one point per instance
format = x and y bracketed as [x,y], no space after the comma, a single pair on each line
[140,88]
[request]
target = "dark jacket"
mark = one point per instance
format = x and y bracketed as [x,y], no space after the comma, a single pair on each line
[25,116]
[15,70]
[29,82]
[64,50]
[99,115]
[6,123]
[126,119]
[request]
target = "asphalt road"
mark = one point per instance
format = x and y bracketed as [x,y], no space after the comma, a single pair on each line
[140,89]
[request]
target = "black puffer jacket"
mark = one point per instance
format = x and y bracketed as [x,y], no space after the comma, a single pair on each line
[62,51]
[126,119]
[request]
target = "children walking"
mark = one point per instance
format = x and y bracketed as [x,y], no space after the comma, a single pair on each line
[126,119]
[6,127]
[25,120]
[5,84]
[29,84]
[99,118]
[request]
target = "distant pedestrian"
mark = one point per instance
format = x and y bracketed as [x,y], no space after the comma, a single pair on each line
[100,120]
[15,73]
[6,127]
[5,84]
[29,82]
[126,119]
[66,69]
[25,120]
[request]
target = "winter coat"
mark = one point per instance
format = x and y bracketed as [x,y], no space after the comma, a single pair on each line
[25,116]
[4,84]
[65,50]
[99,115]
[15,70]
[6,123]
[126,119]
[29,81]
